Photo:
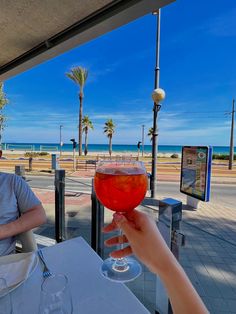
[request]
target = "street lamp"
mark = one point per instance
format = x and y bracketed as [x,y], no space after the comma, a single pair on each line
[61,143]
[138,145]
[143,126]
[231,150]
[157,95]
[74,147]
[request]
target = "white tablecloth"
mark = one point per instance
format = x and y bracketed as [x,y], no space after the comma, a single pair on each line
[91,293]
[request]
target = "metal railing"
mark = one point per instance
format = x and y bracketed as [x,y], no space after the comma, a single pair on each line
[97,223]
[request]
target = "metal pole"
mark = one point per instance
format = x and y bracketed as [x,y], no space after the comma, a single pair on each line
[74,163]
[143,139]
[60,205]
[231,152]
[1,129]
[97,224]
[156,108]
[169,219]
[20,171]
[60,141]
[30,163]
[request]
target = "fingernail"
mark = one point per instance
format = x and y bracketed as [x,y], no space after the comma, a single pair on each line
[118,217]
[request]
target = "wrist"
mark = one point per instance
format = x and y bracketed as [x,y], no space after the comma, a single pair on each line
[170,270]
[164,264]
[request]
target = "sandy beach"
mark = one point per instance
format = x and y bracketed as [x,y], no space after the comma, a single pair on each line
[10,158]
[168,169]
[12,152]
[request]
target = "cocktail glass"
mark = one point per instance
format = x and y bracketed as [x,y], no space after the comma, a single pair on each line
[120,186]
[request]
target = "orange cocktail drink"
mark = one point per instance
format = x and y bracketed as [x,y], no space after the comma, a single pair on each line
[120,187]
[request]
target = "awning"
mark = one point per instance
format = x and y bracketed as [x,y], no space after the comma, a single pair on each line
[34,31]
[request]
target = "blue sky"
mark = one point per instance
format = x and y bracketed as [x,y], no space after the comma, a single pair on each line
[198,73]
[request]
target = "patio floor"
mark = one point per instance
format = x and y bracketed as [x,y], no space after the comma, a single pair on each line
[209,256]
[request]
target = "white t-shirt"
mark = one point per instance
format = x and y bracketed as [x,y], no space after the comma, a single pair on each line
[15,197]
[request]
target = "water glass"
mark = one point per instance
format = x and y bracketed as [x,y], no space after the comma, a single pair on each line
[5,298]
[55,296]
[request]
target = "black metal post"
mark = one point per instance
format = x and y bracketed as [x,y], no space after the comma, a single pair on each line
[20,171]
[74,161]
[170,216]
[60,141]
[60,205]
[97,224]
[143,139]
[231,152]
[156,108]
[30,163]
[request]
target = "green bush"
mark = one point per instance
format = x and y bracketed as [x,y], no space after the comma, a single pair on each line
[43,153]
[222,156]
[31,154]
[35,154]
[174,156]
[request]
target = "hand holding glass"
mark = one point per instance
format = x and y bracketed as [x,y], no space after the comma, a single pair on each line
[120,186]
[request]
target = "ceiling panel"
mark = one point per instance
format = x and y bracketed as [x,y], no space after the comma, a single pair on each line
[34,31]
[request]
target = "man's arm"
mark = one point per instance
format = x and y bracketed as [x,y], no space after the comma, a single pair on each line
[30,219]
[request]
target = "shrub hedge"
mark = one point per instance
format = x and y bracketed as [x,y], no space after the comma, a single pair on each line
[174,156]
[35,154]
[222,156]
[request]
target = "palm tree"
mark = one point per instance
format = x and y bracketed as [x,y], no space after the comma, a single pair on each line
[109,130]
[87,124]
[2,127]
[150,133]
[79,76]
[3,102]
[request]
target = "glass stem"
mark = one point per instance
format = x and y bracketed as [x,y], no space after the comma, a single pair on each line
[120,264]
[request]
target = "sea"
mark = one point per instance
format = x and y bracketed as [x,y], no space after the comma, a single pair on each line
[102,148]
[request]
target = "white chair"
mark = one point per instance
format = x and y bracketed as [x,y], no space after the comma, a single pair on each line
[26,242]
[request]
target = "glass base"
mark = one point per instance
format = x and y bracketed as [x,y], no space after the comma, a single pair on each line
[111,270]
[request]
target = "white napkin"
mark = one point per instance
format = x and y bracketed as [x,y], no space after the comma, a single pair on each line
[17,271]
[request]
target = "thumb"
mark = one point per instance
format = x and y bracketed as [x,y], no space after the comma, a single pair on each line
[122,222]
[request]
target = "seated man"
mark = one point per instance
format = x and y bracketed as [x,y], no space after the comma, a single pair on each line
[20,210]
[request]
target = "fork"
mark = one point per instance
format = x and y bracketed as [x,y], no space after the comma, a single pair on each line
[46,271]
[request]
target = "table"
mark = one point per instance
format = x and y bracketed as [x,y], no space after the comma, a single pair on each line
[91,293]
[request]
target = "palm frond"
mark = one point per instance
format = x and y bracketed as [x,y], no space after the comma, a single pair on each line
[87,124]
[78,75]
[109,128]
[70,75]
[3,100]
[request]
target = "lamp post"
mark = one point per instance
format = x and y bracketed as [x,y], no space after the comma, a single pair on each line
[231,150]
[143,126]
[74,147]
[157,96]
[138,145]
[61,144]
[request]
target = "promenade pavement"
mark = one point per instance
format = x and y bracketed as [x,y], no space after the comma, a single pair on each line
[166,171]
[170,172]
[209,256]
